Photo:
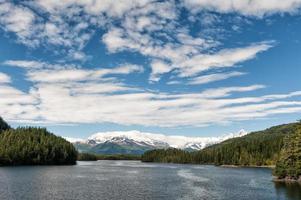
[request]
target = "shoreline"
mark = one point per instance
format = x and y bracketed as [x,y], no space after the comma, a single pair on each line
[223,166]
[287,180]
[248,166]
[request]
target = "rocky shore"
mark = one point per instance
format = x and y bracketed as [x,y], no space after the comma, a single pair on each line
[248,166]
[287,179]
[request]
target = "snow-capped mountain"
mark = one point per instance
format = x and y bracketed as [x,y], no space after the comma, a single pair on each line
[137,142]
[136,137]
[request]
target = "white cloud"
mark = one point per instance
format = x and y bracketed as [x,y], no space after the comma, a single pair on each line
[4,78]
[213,77]
[186,55]
[114,39]
[62,93]
[65,28]
[25,64]
[90,101]
[73,95]
[16,104]
[11,95]
[158,67]
[45,72]
[253,8]
[174,82]
[226,91]
[221,59]
[19,20]
[109,7]
[61,75]
[65,75]
[34,30]
[149,27]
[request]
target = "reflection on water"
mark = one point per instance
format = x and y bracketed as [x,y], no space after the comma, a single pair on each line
[288,190]
[133,180]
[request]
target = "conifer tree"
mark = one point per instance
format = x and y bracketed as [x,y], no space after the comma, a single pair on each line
[3,125]
[289,164]
[33,146]
[257,148]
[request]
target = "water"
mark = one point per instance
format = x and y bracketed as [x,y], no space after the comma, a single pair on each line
[131,180]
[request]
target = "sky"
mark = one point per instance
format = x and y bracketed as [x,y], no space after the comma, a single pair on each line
[189,67]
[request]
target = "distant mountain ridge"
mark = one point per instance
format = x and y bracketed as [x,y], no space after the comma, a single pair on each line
[279,145]
[136,142]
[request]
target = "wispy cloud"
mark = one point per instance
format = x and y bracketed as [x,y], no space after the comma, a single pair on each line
[19,20]
[45,72]
[79,74]
[226,91]
[214,77]
[4,78]
[25,64]
[82,99]
[148,27]
[70,93]
[187,58]
[257,8]
[222,59]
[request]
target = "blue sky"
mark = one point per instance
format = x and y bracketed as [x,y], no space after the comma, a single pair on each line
[192,67]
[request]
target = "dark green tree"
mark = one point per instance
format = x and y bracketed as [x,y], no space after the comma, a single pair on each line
[289,163]
[35,146]
[86,157]
[3,125]
[170,155]
[255,149]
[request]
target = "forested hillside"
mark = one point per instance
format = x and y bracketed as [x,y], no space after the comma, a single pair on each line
[288,166]
[110,148]
[257,148]
[169,155]
[3,125]
[33,146]
[94,157]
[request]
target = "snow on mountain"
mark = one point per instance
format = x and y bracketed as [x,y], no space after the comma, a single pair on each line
[74,140]
[155,140]
[136,136]
[240,133]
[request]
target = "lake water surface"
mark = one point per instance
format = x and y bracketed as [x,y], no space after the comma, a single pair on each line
[131,180]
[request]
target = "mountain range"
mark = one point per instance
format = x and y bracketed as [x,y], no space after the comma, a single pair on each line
[136,142]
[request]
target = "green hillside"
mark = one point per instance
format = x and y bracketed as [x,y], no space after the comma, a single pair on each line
[170,155]
[34,146]
[257,148]
[109,148]
[3,125]
[288,166]
[95,157]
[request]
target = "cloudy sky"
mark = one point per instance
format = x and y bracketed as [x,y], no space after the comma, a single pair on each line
[190,67]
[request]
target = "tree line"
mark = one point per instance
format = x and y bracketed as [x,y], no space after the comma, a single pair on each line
[279,145]
[288,165]
[257,148]
[33,146]
[94,157]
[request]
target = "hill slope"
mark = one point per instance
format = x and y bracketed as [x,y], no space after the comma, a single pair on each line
[3,125]
[136,142]
[288,167]
[257,148]
[34,146]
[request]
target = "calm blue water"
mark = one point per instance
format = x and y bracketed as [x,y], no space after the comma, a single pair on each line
[131,180]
